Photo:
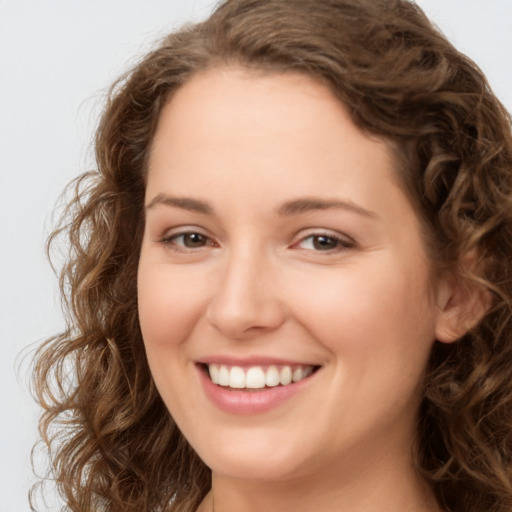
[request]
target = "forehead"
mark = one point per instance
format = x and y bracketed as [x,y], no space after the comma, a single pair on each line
[229,126]
[229,110]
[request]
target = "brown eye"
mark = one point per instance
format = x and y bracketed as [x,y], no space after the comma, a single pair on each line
[325,243]
[191,240]
[194,240]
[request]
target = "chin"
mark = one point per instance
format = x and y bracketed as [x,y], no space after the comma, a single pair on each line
[254,459]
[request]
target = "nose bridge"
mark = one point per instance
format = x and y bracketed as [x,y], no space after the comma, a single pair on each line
[246,299]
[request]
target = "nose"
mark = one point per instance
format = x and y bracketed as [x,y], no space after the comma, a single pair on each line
[247,301]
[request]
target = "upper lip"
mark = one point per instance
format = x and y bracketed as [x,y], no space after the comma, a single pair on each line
[252,361]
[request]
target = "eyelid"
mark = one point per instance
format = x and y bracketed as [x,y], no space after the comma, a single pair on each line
[345,242]
[170,235]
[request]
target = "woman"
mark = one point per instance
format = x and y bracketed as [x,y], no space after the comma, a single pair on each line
[289,284]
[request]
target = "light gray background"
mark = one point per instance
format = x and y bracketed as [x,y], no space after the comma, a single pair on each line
[57,57]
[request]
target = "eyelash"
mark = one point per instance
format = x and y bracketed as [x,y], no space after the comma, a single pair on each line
[340,243]
[170,241]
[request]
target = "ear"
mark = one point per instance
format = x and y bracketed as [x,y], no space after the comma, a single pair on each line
[461,305]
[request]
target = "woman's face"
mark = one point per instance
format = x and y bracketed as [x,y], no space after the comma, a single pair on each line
[279,245]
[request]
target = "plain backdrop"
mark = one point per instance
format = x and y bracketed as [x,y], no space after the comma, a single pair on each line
[57,58]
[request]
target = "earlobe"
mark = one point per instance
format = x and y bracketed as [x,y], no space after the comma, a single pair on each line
[461,306]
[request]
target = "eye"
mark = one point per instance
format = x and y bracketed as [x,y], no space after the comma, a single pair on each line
[325,243]
[188,240]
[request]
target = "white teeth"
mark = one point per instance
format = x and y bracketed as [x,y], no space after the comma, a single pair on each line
[272,377]
[224,376]
[255,377]
[298,374]
[237,377]
[285,376]
[214,373]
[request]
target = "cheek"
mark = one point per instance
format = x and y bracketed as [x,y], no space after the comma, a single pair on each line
[383,308]
[170,303]
[378,326]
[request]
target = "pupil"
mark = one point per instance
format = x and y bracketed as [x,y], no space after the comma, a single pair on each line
[324,242]
[194,240]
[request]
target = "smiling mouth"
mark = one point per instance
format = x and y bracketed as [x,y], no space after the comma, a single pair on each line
[254,378]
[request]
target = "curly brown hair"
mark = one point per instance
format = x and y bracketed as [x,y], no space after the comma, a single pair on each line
[112,442]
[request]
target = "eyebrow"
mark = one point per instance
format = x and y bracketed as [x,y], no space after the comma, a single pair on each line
[307,204]
[185,203]
[289,208]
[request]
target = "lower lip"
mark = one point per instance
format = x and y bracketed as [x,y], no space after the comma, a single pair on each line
[249,402]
